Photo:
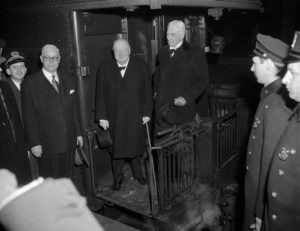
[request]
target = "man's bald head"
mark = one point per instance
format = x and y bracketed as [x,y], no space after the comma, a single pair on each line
[121,49]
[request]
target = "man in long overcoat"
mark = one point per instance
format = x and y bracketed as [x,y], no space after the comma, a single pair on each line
[270,120]
[124,105]
[181,77]
[13,150]
[50,114]
[282,199]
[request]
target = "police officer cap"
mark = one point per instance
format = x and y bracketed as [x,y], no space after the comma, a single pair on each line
[271,48]
[14,57]
[294,54]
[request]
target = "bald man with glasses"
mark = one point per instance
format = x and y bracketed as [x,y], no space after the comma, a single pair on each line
[50,116]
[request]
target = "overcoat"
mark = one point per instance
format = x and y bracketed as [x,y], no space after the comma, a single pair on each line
[283,201]
[50,118]
[270,120]
[17,95]
[13,151]
[124,102]
[185,74]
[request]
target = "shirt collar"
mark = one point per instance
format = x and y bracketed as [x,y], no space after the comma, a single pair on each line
[177,46]
[17,84]
[48,75]
[271,88]
[125,65]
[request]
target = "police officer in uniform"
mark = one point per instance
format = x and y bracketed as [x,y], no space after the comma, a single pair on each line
[283,189]
[270,120]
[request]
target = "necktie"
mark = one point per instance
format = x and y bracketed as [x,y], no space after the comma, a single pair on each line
[122,68]
[172,52]
[54,83]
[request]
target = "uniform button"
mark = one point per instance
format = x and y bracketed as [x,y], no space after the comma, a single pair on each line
[274,194]
[280,172]
[247,167]
[253,137]
[266,91]
[266,106]
[274,217]
[250,153]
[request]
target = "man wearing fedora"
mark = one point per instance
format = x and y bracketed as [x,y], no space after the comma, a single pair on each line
[13,149]
[124,106]
[282,210]
[181,77]
[270,120]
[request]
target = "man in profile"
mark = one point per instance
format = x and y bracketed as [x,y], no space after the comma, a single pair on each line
[50,116]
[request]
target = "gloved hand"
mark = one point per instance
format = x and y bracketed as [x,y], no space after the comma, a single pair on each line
[104,124]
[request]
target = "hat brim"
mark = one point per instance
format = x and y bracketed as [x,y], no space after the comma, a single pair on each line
[19,60]
[170,115]
[292,59]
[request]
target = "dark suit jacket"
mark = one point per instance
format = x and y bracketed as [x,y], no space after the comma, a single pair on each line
[185,74]
[50,118]
[123,102]
[13,151]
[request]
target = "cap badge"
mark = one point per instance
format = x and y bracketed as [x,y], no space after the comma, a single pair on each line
[256,123]
[284,154]
[15,53]
[294,41]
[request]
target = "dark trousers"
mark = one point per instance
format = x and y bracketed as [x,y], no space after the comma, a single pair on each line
[135,164]
[57,165]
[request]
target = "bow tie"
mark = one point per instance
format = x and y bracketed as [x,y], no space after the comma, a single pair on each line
[122,68]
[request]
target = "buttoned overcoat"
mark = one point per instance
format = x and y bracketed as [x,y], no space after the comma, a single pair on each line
[124,102]
[270,120]
[283,200]
[185,74]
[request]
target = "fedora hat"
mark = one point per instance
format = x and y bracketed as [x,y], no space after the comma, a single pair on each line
[170,115]
[104,138]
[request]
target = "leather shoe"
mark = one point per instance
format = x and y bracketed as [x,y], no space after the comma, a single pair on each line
[142,180]
[117,184]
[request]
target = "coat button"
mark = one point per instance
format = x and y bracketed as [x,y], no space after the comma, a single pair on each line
[280,172]
[274,194]
[266,106]
[274,217]
[247,167]
[250,152]
[253,137]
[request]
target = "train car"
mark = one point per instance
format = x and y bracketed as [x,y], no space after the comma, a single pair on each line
[84,31]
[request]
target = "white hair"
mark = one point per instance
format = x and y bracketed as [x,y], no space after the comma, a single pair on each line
[179,25]
[121,41]
[48,47]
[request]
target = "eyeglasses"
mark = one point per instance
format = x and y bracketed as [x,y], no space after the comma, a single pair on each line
[52,59]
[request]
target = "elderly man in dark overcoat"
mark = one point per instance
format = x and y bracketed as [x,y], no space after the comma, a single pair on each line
[270,120]
[180,79]
[50,114]
[123,106]
[283,196]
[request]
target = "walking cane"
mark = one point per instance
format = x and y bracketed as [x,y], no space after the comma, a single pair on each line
[151,174]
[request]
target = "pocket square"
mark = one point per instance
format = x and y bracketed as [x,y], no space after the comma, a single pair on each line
[72,91]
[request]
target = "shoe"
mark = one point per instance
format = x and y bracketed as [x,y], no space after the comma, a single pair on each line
[142,180]
[117,184]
